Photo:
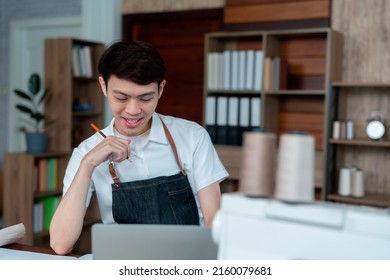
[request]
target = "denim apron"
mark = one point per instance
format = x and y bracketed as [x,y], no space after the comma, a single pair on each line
[160,200]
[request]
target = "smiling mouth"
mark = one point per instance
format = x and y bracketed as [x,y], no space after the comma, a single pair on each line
[132,120]
[132,123]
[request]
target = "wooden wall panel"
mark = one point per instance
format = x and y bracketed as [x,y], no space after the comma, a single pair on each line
[303,113]
[306,65]
[307,47]
[252,2]
[148,6]
[306,59]
[179,37]
[365,26]
[280,11]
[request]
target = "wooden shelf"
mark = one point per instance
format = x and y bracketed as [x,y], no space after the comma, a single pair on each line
[355,101]
[83,79]
[86,114]
[47,193]
[358,142]
[370,199]
[279,92]
[232,92]
[296,92]
[19,180]
[66,90]
[42,235]
[360,84]
[20,169]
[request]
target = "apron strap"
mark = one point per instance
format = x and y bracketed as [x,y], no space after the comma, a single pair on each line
[173,146]
[112,170]
[111,164]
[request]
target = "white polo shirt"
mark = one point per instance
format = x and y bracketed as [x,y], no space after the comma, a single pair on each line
[152,158]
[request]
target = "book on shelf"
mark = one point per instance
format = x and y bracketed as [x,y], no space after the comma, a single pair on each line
[279,67]
[258,72]
[211,117]
[52,174]
[213,70]
[232,128]
[76,61]
[49,205]
[220,72]
[250,69]
[255,119]
[228,117]
[268,73]
[42,175]
[275,73]
[227,77]
[244,118]
[222,102]
[38,217]
[87,60]
[46,174]
[241,69]
[235,70]
[82,61]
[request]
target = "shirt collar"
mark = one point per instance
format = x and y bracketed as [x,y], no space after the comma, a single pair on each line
[157,133]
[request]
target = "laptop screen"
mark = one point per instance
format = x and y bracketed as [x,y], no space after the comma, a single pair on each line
[152,242]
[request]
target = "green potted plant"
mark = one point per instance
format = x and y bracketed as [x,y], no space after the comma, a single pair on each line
[36,138]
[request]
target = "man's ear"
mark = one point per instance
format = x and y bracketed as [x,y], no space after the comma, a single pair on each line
[161,88]
[103,85]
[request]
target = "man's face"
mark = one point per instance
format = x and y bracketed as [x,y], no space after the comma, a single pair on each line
[132,105]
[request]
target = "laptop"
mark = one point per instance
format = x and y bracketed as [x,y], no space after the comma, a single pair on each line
[152,242]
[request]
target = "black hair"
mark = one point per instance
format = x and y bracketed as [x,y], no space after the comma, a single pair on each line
[135,61]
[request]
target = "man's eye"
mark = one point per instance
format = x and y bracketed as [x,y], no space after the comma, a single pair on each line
[121,99]
[146,99]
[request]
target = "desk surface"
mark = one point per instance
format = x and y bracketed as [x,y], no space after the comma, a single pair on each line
[17,251]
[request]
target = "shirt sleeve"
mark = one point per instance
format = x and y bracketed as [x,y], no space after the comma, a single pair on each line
[208,168]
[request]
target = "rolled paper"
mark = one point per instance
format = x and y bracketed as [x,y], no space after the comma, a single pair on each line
[350,130]
[344,188]
[257,172]
[336,130]
[12,234]
[357,183]
[343,130]
[295,169]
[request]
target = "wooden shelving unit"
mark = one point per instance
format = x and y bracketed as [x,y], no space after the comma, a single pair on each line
[19,179]
[71,126]
[312,59]
[371,199]
[67,127]
[355,101]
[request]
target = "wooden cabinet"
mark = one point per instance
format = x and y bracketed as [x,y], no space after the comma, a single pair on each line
[75,100]
[354,102]
[295,80]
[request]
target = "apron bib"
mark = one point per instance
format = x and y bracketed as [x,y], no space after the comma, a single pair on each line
[160,200]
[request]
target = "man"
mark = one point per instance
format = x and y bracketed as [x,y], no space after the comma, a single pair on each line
[149,168]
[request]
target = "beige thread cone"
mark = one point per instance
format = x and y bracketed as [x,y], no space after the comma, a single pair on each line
[257,173]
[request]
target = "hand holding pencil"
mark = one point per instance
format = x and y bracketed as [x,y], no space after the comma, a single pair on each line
[103,135]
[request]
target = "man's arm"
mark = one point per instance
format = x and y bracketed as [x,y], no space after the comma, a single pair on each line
[209,199]
[67,222]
